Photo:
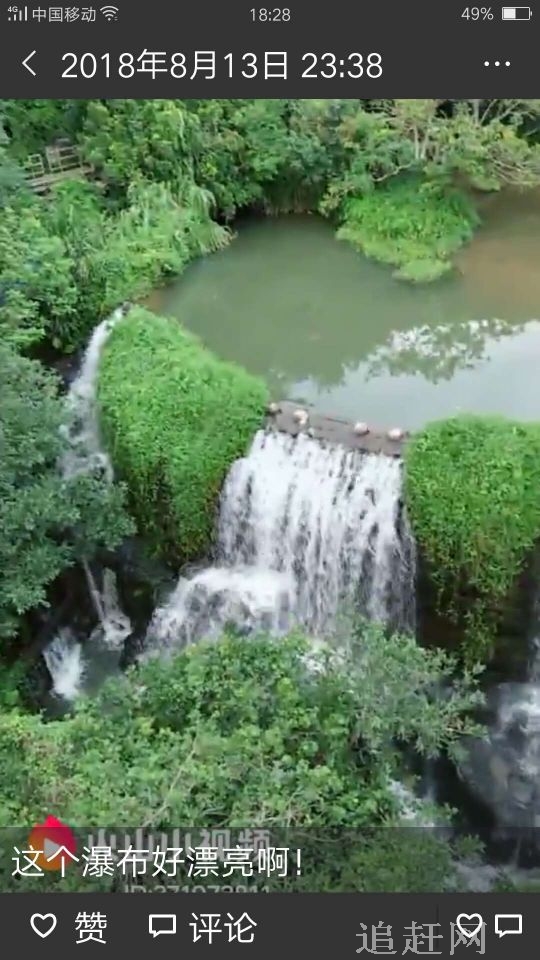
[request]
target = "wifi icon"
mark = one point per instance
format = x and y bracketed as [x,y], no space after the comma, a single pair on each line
[109,12]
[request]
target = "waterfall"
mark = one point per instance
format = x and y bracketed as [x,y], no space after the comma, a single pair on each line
[413,810]
[306,533]
[65,664]
[85,453]
[114,625]
[503,768]
[93,591]
[519,718]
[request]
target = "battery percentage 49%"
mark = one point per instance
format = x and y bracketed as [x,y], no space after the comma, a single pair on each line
[477,13]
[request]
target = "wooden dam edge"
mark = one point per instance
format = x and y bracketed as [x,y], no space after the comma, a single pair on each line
[294,419]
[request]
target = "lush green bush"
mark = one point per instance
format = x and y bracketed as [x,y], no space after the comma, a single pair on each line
[124,255]
[258,733]
[473,491]
[423,271]
[128,139]
[274,155]
[34,124]
[46,522]
[413,225]
[175,417]
[68,260]
[37,288]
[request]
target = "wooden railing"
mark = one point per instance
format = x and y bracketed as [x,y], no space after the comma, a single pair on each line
[59,162]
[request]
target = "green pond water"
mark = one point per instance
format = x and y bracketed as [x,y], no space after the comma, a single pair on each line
[326,326]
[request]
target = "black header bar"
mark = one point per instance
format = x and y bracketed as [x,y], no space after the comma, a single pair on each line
[211,48]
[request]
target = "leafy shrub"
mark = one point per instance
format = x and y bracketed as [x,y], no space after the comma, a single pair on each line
[473,491]
[176,417]
[423,271]
[46,522]
[123,256]
[68,260]
[412,225]
[240,732]
[127,139]
[37,288]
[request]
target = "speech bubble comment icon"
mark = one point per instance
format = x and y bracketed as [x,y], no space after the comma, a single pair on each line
[508,923]
[161,923]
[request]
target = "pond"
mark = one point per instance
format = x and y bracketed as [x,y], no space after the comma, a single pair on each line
[326,326]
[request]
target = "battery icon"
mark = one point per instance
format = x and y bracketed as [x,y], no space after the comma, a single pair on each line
[516,13]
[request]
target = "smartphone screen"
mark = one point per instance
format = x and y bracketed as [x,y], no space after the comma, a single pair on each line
[270,478]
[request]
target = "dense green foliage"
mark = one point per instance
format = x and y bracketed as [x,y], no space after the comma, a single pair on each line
[37,291]
[414,226]
[473,490]
[158,162]
[243,732]
[66,262]
[129,138]
[46,521]
[32,124]
[175,417]
[254,732]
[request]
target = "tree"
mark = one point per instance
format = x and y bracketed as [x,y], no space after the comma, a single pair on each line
[46,522]
[468,143]
[36,276]
[252,732]
[126,139]
[237,147]
[488,149]
[32,125]
[11,176]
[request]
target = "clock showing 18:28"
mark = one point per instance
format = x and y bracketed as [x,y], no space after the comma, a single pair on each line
[270,14]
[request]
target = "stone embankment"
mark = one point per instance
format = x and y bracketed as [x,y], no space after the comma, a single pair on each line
[292,418]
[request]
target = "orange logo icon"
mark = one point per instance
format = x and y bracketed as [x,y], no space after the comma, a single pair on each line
[56,844]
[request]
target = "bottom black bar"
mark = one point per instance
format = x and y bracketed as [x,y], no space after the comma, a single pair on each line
[340,925]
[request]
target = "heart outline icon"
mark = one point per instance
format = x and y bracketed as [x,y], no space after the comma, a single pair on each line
[469,917]
[43,916]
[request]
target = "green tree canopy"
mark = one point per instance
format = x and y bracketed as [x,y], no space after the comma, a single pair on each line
[46,522]
[250,732]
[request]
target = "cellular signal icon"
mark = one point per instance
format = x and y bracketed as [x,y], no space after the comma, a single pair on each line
[18,13]
[109,12]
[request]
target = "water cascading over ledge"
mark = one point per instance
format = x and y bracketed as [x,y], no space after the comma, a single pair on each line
[84,455]
[307,532]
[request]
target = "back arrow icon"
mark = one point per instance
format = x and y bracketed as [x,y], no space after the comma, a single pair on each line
[25,63]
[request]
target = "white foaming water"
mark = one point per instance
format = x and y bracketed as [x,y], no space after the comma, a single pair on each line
[65,664]
[114,625]
[520,710]
[412,809]
[85,453]
[503,768]
[306,532]
[93,590]
[250,598]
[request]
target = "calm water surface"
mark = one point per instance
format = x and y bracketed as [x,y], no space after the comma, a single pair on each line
[326,326]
